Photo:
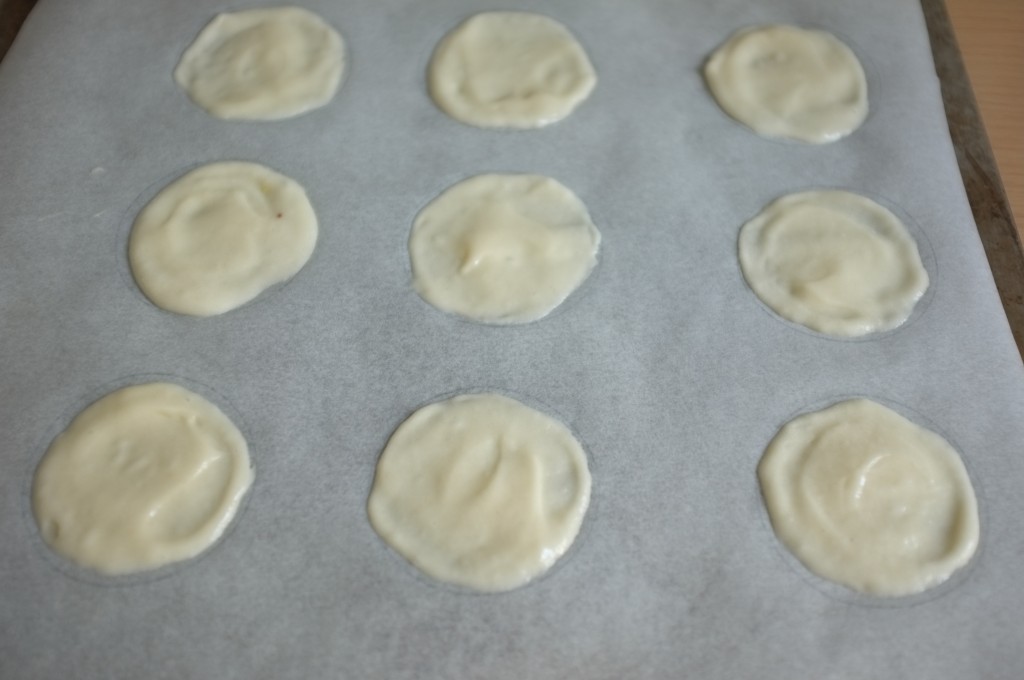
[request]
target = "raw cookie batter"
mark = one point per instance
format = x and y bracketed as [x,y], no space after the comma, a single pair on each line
[148,475]
[480,491]
[263,64]
[834,261]
[864,497]
[785,81]
[510,69]
[219,236]
[502,248]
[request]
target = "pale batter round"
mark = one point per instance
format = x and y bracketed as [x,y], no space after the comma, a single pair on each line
[834,261]
[263,64]
[219,236]
[480,491]
[502,248]
[510,69]
[866,498]
[786,81]
[148,475]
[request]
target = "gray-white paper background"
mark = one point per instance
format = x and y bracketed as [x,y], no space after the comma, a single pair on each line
[666,366]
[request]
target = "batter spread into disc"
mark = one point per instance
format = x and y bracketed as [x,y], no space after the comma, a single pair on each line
[510,69]
[148,475]
[864,497]
[481,491]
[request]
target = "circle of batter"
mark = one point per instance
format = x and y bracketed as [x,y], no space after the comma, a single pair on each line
[219,236]
[480,491]
[510,69]
[785,81]
[833,261]
[263,64]
[148,475]
[866,498]
[502,248]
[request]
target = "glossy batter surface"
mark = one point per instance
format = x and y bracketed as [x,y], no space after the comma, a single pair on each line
[263,64]
[219,236]
[786,81]
[148,475]
[834,261]
[510,69]
[481,491]
[502,248]
[864,497]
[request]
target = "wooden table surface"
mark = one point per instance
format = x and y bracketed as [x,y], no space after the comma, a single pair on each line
[991,38]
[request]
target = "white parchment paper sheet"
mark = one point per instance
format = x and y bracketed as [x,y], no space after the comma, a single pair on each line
[667,367]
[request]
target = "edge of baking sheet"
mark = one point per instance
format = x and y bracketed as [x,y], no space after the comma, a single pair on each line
[12,15]
[978,168]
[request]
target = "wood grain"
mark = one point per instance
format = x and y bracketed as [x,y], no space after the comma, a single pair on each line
[978,169]
[991,38]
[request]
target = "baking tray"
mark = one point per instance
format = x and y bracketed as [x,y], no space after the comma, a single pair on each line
[974,154]
[989,204]
[281,596]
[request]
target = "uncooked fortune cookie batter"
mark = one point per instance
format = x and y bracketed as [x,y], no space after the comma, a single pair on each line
[834,261]
[147,475]
[219,236]
[502,248]
[263,64]
[510,69]
[864,497]
[787,81]
[481,491]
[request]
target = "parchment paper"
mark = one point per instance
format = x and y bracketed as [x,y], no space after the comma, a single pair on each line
[664,364]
